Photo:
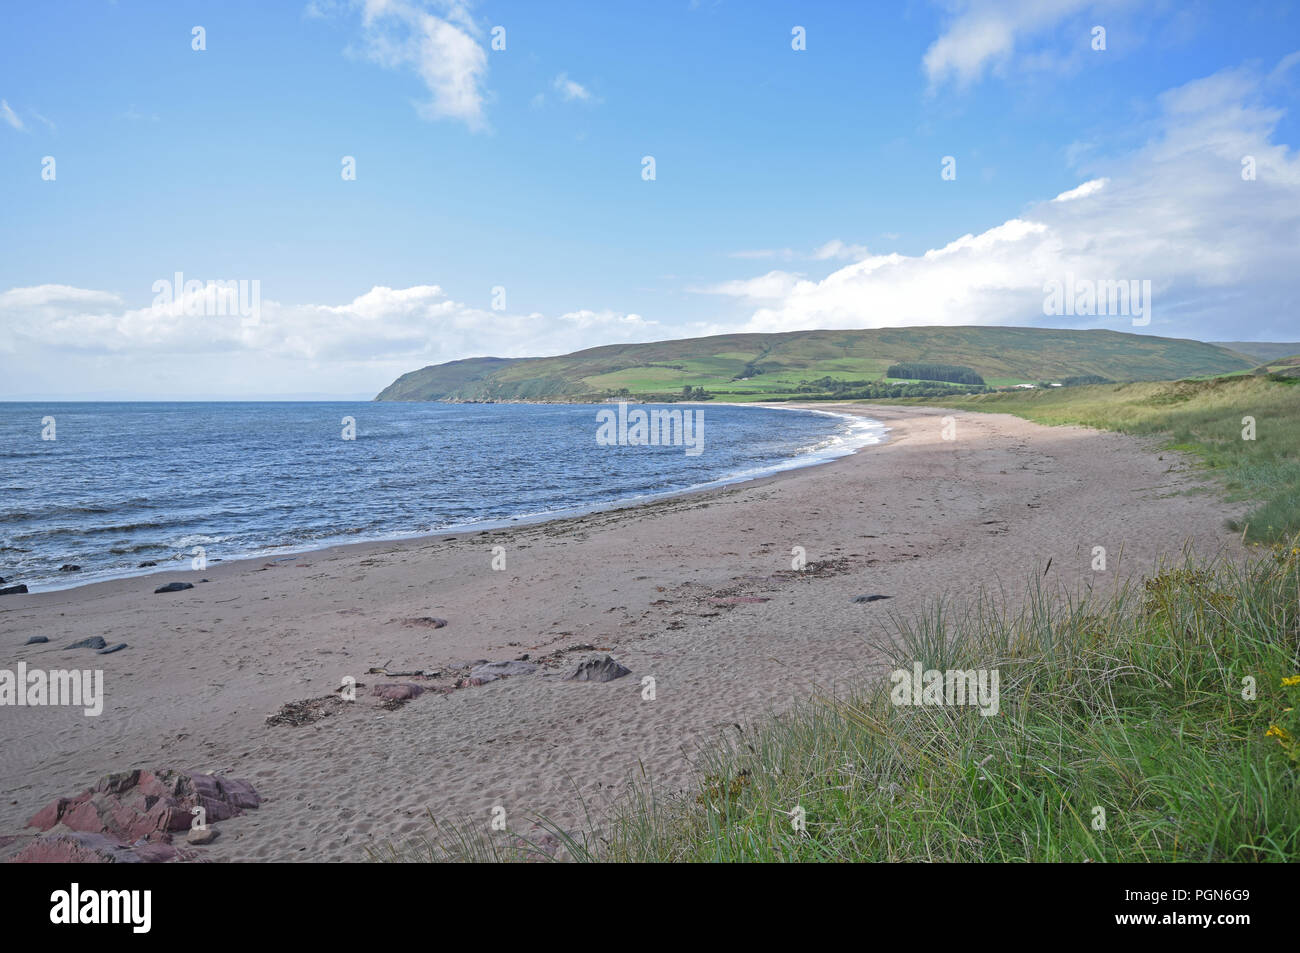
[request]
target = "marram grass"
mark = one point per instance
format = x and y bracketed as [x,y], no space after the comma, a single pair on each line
[1158,722]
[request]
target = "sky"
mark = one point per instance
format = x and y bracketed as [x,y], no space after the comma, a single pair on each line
[399,183]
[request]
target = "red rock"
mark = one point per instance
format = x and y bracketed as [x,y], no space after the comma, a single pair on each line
[398,691]
[131,816]
[240,793]
[49,815]
[117,783]
[82,817]
[158,853]
[75,848]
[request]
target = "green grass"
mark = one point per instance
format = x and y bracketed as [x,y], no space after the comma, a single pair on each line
[1203,417]
[1128,705]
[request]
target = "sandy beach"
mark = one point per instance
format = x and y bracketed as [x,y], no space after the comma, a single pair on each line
[654,586]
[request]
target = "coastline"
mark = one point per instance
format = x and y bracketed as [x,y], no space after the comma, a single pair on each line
[655,584]
[288,551]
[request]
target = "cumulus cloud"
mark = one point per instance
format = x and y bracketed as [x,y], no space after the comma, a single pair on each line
[441,49]
[1222,251]
[354,346]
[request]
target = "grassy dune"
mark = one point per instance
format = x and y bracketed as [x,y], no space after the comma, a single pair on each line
[1204,417]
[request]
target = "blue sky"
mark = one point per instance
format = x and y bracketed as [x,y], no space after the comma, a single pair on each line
[793,188]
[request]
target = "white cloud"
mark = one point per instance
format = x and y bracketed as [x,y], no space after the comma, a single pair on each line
[981,34]
[772,286]
[53,296]
[1222,253]
[68,336]
[838,250]
[835,249]
[1082,191]
[10,116]
[571,90]
[440,49]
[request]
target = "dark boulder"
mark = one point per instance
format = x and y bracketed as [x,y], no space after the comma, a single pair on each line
[597,670]
[94,642]
[489,671]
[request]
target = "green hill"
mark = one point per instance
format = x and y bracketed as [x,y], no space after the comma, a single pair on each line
[740,367]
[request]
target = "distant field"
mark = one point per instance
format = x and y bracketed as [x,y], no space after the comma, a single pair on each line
[1204,417]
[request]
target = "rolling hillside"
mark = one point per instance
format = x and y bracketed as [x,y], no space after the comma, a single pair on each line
[1282,367]
[739,367]
[1262,350]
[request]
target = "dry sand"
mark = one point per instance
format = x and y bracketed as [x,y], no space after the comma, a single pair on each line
[913,518]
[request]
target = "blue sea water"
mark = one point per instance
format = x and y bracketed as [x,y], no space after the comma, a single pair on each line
[126,483]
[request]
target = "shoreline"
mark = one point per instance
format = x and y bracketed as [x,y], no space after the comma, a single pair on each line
[696,591]
[290,551]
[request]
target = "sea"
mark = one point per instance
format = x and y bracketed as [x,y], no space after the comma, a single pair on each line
[109,486]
